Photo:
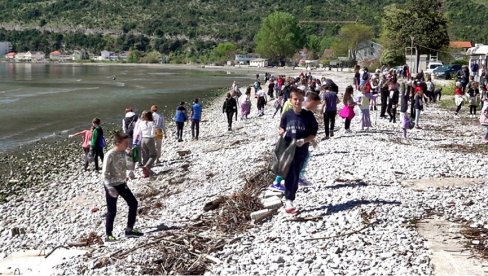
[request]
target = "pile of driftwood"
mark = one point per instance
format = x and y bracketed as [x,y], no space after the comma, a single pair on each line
[187,250]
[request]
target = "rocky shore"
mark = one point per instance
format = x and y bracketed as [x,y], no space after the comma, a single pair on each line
[369,189]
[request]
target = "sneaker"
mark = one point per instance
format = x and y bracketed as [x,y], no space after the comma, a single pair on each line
[277,187]
[331,134]
[289,208]
[303,182]
[110,238]
[133,233]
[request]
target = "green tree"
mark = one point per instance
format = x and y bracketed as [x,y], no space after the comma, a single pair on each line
[391,57]
[279,37]
[349,39]
[134,56]
[419,22]
[223,52]
[313,45]
[152,57]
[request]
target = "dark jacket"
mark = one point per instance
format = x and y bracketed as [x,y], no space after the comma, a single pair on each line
[230,105]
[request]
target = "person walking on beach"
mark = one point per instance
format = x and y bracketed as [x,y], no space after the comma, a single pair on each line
[383,88]
[347,112]
[310,104]
[196,117]
[484,119]
[147,132]
[114,180]
[261,95]
[404,118]
[299,126]
[271,86]
[229,107]
[419,104]
[458,97]
[473,93]
[278,105]
[97,142]
[246,104]
[129,122]
[329,110]
[357,77]
[393,99]
[180,118]
[85,144]
[365,115]
[160,130]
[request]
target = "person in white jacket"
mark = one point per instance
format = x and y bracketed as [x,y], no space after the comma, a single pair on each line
[146,130]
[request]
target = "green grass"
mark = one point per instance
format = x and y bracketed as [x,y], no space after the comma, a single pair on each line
[447,88]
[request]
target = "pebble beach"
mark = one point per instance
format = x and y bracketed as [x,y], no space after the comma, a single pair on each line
[368,191]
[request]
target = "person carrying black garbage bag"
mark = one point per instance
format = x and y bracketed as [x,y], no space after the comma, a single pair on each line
[301,126]
[229,107]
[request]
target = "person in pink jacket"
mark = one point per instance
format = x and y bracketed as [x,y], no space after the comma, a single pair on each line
[85,144]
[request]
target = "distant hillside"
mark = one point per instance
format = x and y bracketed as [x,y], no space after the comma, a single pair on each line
[196,25]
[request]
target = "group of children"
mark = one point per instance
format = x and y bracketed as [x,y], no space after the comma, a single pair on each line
[140,141]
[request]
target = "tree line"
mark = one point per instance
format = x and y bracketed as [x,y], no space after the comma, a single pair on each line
[278,37]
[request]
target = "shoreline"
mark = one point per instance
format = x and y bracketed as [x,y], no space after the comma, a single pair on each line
[13,162]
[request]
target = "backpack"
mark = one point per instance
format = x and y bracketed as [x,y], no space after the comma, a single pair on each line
[430,86]
[130,123]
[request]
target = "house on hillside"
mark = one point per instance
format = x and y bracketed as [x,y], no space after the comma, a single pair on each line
[10,56]
[58,56]
[35,56]
[22,56]
[459,48]
[246,58]
[367,52]
[30,56]
[258,62]
[5,47]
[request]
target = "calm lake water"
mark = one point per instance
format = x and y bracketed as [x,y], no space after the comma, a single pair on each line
[43,100]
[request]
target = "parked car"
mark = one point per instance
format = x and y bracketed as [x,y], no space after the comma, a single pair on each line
[432,65]
[446,71]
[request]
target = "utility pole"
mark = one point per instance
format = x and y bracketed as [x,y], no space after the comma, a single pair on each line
[413,69]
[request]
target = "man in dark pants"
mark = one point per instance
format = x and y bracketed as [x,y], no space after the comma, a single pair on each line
[229,107]
[329,103]
[384,97]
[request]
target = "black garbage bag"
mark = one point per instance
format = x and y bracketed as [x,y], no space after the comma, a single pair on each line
[283,156]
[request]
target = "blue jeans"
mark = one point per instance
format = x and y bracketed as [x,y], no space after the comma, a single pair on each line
[291,180]
[417,117]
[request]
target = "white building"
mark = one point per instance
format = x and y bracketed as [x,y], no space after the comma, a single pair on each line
[5,47]
[478,54]
[368,51]
[30,56]
[258,62]
[245,59]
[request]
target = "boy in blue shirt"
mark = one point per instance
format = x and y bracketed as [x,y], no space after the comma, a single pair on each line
[300,125]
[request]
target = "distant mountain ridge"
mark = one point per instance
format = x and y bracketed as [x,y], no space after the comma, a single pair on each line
[195,25]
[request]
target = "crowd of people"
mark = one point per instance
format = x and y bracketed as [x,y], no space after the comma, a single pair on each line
[296,100]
